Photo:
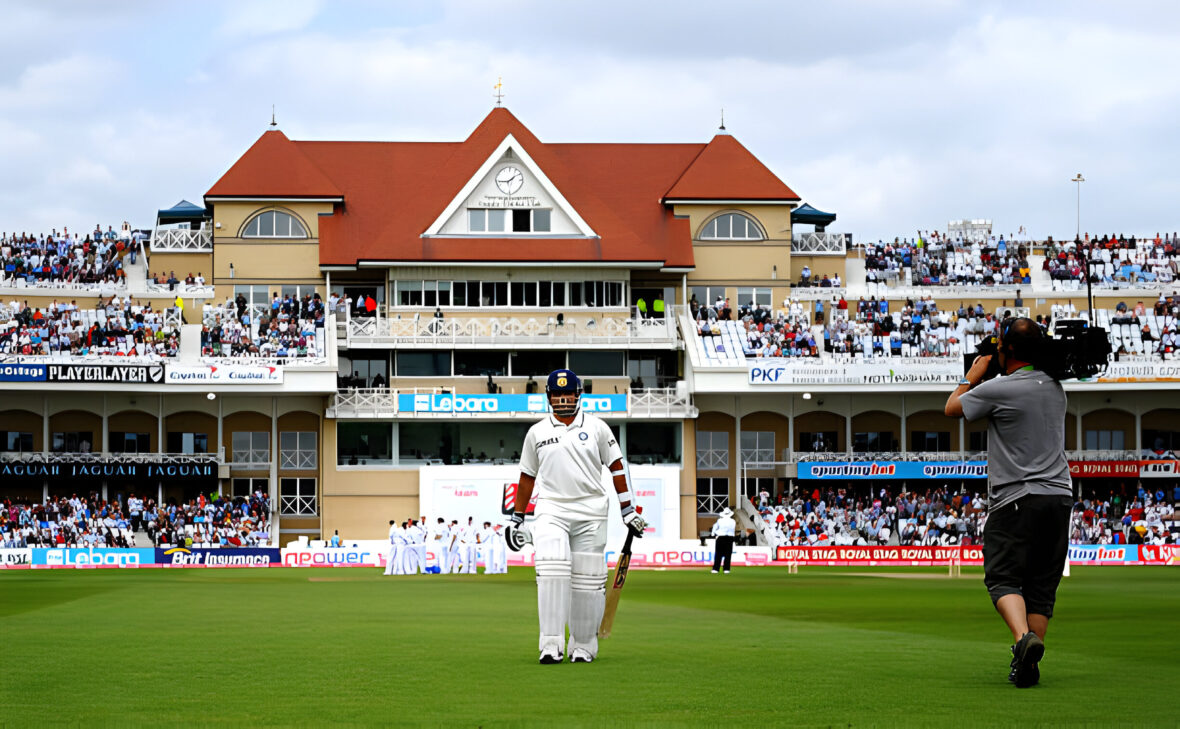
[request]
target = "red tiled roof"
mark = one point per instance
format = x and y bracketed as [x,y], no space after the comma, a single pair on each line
[274,167]
[725,170]
[393,191]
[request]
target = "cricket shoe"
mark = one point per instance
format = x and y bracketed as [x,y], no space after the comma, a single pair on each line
[1026,654]
[580,655]
[550,656]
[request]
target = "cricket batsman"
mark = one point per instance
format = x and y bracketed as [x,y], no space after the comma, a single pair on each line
[562,459]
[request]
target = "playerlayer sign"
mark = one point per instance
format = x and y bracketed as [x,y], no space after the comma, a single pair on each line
[112,374]
[778,371]
[916,470]
[223,375]
[451,403]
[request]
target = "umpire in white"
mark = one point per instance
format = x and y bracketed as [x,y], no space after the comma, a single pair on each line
[723,530]
[562,459]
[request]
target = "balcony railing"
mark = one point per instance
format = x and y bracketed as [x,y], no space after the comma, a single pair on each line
[298,505]
[789,456]
[1113,455]
[188,291]
[669,402]
[713,459]
[832,244]
[541,330]
[182,241]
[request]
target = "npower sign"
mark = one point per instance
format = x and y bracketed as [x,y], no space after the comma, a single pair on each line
[223,375]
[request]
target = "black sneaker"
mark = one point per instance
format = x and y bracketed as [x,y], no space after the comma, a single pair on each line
[1026,654]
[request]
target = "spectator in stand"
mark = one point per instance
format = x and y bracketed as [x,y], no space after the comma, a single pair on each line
[291,328]
[119,328]
[60,259]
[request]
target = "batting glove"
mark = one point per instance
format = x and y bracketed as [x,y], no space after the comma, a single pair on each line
[517,534]
[633,520]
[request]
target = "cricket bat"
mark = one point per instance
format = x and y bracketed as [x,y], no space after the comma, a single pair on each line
[615,589]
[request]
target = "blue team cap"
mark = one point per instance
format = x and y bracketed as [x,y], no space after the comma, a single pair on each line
[563,381]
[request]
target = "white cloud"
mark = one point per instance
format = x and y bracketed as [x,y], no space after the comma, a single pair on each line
[266,17]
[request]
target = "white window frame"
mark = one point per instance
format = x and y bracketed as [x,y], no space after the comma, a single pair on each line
[303,502]
[255,455]
[479,221]
[712,450]
[762,296]
[303,456]
[292,222]
[757,446]
[712,229]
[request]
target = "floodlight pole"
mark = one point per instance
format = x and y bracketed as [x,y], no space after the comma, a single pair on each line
[1079,180]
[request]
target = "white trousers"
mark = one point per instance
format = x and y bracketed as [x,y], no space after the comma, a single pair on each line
[470,554]
[393,560]
[455,559]
[571,580]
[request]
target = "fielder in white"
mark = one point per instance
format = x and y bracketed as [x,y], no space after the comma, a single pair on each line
[468,535]
[440,542]
[393,560]
[453,552]
[562,459]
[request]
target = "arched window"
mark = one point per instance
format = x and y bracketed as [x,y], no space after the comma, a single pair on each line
[732,226]
[274,224]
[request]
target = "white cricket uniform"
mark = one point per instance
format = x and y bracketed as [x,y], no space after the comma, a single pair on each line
[454,551]
[393,558]
[440,542]
[499,552]
[415,550]
[470,549]
[484,535]
[569,532]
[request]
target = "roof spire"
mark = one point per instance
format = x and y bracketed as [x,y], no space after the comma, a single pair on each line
[273,124]
[722,127]
[499,87]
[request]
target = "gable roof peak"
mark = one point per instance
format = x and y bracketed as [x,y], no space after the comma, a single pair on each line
[274,166]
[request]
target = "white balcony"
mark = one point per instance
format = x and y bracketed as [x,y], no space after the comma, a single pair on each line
[181,241]
[382,403]
[540,331]
[112,458]
[819,244]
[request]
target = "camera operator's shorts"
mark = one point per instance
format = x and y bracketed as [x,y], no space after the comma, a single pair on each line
[1025,544]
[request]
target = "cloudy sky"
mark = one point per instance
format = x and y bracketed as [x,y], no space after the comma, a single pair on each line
[895,115]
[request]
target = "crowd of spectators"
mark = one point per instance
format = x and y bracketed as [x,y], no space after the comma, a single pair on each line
[1143,517]
[113,327]
[934,259]
[1154,331]
[67,258]
[289,327]
[836,517]
[90,521]
[1115,259]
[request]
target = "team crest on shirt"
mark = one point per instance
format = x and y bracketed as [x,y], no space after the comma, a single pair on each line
[584,436]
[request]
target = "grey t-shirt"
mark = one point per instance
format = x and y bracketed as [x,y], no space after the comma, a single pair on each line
[1025,414]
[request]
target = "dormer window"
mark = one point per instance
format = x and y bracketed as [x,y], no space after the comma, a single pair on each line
[274,224]
[732,226]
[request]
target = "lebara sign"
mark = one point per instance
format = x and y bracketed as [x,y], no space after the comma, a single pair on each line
[452,403]
[93,557]
[858,470]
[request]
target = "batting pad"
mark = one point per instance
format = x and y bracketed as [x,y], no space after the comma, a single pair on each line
[553,586]
[587,600]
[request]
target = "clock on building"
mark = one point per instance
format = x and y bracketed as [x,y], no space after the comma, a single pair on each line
[509,180]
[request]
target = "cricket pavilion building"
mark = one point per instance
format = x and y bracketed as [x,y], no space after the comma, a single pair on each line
[468,271]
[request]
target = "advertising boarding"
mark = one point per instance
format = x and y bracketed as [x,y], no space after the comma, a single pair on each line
[22,373]
[457,492]
[93,557]
[446,402]
[16,558]
[910,470]
[779,371]
[230,557]
[223,375]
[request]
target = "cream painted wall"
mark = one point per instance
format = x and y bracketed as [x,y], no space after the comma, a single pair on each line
[293,262]
[232,216]
[183,264]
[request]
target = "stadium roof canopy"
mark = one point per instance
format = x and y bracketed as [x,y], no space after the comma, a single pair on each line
[392,195]
[807,215]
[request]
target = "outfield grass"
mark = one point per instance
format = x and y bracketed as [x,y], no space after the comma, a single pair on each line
[826,647]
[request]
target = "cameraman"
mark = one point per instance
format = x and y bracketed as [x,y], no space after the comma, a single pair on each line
[1029,489]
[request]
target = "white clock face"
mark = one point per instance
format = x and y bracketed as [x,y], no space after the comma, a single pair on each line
[509,180]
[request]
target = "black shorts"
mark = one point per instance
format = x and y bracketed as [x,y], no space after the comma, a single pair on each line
[1025,544]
